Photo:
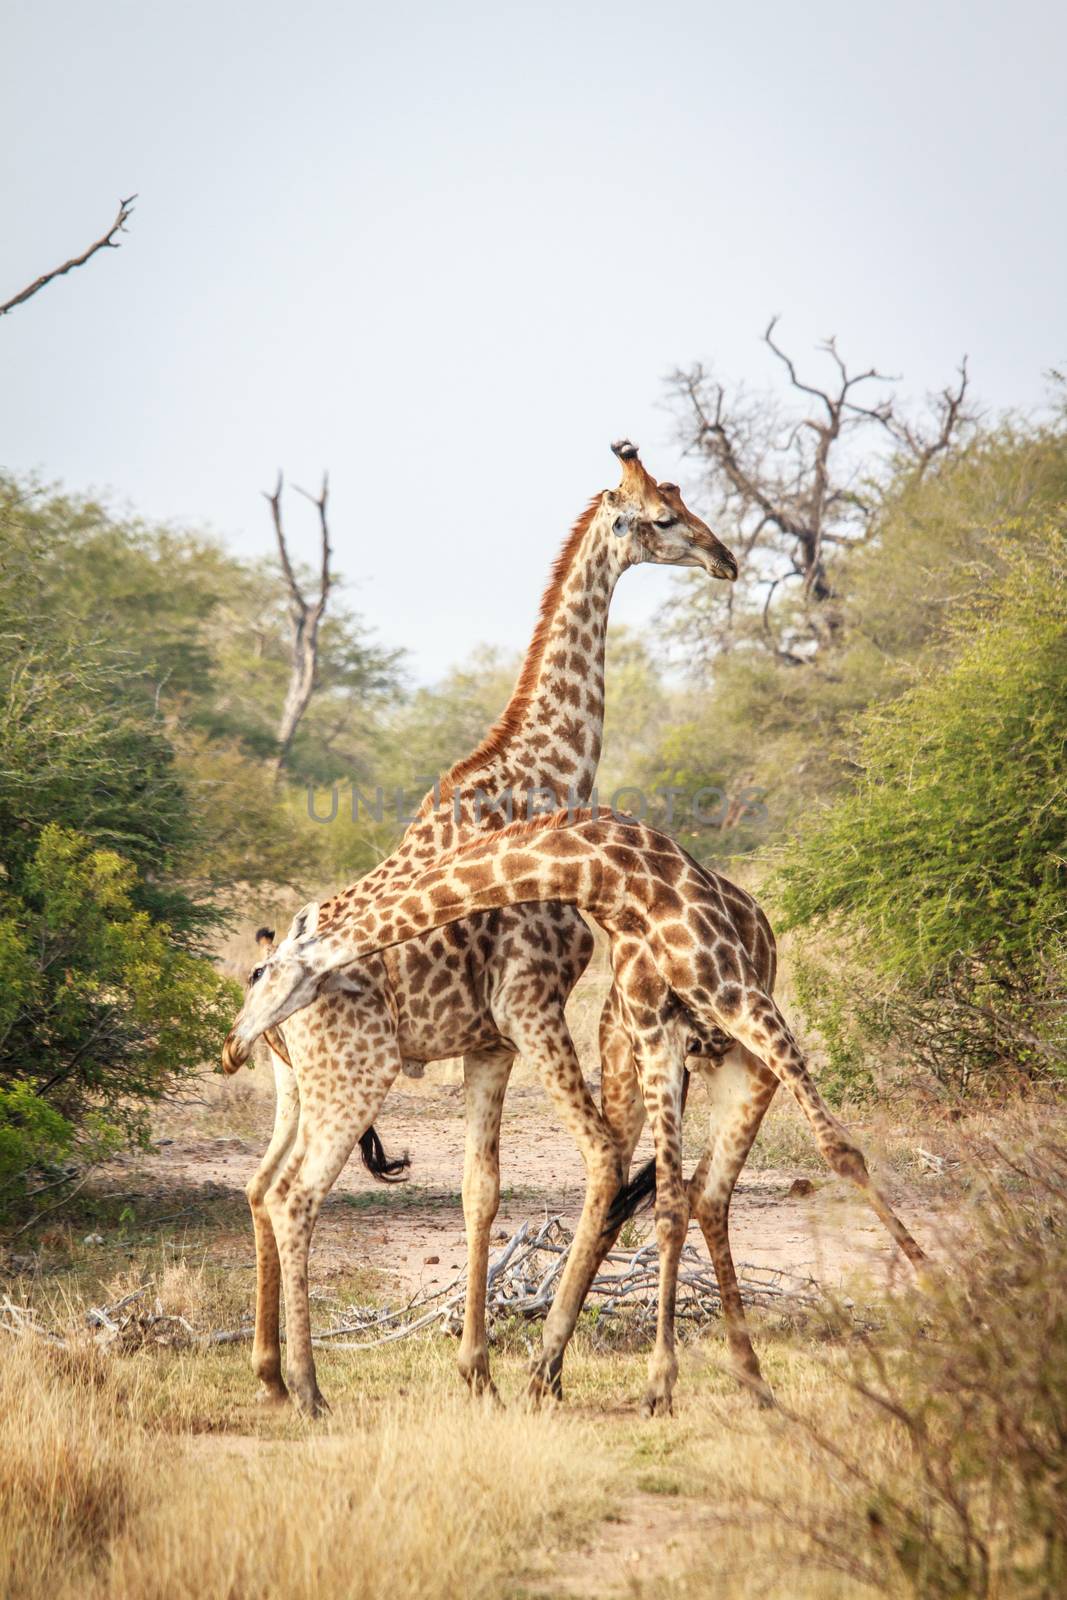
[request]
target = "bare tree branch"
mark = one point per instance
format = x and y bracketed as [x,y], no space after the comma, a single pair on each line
[107,241]
[786,485]
[949,415]
[304,616]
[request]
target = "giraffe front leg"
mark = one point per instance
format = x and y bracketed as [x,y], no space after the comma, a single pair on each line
[622,1116]
[266,1346]
[545,1040]
[485,1080]
[740,1088]
[621,1102]
[337,1107]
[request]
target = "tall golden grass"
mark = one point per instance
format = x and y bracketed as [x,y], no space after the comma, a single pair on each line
[924,1455]
[440,1500]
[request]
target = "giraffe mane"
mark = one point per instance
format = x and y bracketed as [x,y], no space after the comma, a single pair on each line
[510,719]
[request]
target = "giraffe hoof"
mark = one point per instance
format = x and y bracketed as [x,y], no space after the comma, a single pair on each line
[759,1393]
[542,1391]
[271,1394]
[485,1391]
[750,1379]
[546,1382]
[656,1405]
[312,1406]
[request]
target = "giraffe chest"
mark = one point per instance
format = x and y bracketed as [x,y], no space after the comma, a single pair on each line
[446,985]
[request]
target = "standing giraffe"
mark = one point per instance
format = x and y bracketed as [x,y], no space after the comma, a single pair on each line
[686,944]
[486,989]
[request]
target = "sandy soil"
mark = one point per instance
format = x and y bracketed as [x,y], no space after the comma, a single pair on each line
[412,1233]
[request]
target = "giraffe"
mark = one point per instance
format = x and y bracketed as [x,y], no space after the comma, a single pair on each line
[686,944]
[487,989]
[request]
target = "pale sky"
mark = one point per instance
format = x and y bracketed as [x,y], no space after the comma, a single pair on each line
[451,251]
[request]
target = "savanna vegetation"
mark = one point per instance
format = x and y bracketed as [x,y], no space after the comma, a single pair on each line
[873,717]
[917,1450]
[872,722]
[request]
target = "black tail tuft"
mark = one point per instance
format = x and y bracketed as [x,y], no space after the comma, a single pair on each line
[641,1189]
[387,1169]
[265,933]
[632,1197]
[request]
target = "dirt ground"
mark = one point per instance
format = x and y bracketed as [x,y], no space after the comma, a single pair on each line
[787,1214]
[412,1233]
[653,1520]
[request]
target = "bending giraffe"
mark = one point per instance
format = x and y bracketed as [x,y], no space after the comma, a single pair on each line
[488,988]
[686,944]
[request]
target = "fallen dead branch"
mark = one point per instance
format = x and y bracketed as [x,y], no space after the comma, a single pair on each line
[521,1283]
[124,1325]
[523,1277]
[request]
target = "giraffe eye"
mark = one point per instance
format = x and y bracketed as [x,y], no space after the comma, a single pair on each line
[665,522]
[255,974]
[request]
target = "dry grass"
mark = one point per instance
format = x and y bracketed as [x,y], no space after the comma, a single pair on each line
[73,1475]
[925,1461]
[154,1474]
[423,1495]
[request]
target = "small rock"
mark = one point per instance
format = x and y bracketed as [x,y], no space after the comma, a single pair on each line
[430,1261]
[93,1238]
[800,1188]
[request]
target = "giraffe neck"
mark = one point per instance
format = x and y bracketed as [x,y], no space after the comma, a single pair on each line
[504,867]
[544,749]
[550,734]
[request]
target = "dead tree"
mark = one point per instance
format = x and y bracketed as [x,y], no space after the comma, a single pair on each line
[304,618]
[790,487]
[107,241]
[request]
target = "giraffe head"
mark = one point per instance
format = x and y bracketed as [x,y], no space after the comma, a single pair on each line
[654,523]
[287,978]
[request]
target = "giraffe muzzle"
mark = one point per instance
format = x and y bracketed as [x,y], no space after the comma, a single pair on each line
[719,563]
[234,1053]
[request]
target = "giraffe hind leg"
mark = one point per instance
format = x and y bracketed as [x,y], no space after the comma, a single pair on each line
[762,1028]
[740,1089]
[340,1096]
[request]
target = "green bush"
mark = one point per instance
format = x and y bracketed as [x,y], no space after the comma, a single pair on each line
[102,1010]
[107,995]
[783,725]
[943,867]
[971,1378]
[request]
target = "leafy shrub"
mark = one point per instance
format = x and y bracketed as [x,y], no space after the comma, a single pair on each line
[102,1009]
[943,867]
[106,997]
[966,1496]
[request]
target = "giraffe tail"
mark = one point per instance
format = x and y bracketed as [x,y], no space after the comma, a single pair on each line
[641,1189]
[387,1169]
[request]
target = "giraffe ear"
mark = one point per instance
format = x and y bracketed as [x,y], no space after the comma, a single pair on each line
[305,922]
